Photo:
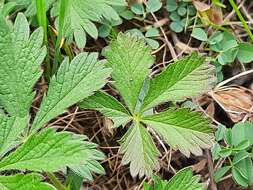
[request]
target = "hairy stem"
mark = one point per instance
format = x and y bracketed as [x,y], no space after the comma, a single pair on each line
[55,181]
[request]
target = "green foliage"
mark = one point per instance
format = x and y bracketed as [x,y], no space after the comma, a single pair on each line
[238,150]
[151,6]
[24,182]
[183,180]
[180,13]
[150,33]
[46,150]
[130,60]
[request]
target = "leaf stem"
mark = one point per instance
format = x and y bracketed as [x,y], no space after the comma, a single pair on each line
[60,36]
[42,20]
[244,23]
[55,181]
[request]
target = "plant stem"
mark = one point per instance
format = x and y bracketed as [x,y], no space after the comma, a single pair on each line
[42,20]
[55,181]
[244,23]
[63,7]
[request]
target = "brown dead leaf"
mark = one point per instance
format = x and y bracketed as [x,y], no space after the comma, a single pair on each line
[185,48]
[215,15]
[199,166]
[201,6]
[237,101]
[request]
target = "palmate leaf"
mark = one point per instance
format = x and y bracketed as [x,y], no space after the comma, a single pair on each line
[130,59]
[183,180]
[73,82]
[50,151]
[109,106]
[187,77]
[24,182]
[10,129]
[81,14]
[20,59]
[139,150]
[183,130]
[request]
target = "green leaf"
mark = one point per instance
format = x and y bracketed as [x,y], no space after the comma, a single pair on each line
[10,129]
[73,82]
[109,106]
[152,32]
[183,130]
[176,26]
[243,172]
[220,173]
[139,150]
[154,5]
[245,54]
[50,151]
[138,9]
[130,60]
[24,182]
[242,132]
[199,34]
[184,179]
[20,59]
[187,77]
[227,56]
[81,14]
[171,5]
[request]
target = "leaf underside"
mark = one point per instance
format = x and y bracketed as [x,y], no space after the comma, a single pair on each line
[140,151]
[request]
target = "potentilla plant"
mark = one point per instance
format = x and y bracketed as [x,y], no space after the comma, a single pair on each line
[28,150]
[189,132]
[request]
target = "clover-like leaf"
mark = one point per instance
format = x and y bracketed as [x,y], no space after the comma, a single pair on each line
[73,82]
[188,77]
[24,182]
[183,130]
[20,58]
[130,59]
[50,151]
[139,150]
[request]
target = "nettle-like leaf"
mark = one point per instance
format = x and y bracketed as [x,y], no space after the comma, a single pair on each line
[189,132]
[130,60]
[10,129]
[47,150]
[24,182]
[183,180]
[109,106]
[81,14]
[20,60]
[186,78]
[183,130]
[73,82]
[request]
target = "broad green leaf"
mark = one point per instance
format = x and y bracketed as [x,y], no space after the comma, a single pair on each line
[154,5]
[10,129]
[130,60]
[183,130]
[200,34]
[20,59]
[81,14]
[109,106]
[73,82]
[24,182]
[50,151]
[139,150]
[245,54]
[242,132]
[183,180]
[187,77]
[220,173]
